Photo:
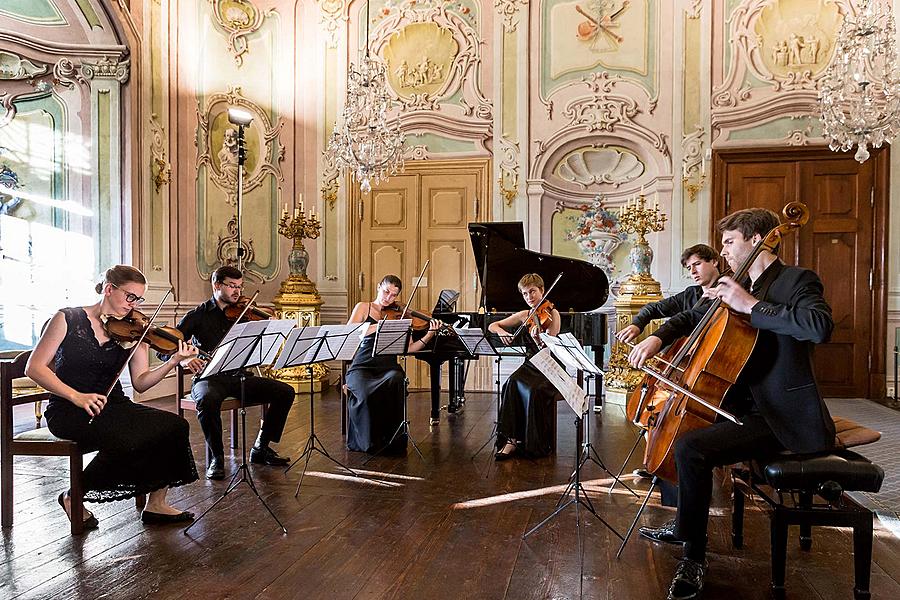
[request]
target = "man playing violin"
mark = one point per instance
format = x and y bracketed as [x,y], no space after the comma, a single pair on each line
[776,396]
[528,400]
[207,324]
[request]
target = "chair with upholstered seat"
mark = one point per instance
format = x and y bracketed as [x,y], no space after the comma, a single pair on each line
[789,484]
[34,442]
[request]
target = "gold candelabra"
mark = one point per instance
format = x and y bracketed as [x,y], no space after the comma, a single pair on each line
[635,217]
[298,297]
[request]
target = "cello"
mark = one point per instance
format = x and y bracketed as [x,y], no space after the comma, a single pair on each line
[708,363]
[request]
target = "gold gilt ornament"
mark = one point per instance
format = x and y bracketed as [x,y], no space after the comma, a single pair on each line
[638,290]
[298,297]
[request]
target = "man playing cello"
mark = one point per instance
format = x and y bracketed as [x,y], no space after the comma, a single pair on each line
[776,395]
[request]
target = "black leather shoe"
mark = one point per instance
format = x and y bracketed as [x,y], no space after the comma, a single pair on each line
[216,468]
[152,518]
[501,455]
[664,533]
[90,523]
[267,456]
[688,580]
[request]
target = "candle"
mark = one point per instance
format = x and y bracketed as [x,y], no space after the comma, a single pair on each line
[703,168]
[300,199]
[684,170]
[642,191]
[296,212]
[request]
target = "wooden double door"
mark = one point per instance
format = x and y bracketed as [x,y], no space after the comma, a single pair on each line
[844,242]
[421,214]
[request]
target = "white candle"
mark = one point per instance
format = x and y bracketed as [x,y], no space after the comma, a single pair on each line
[300,199]
[703,168]
[642,190]
[684,171]
[296,212]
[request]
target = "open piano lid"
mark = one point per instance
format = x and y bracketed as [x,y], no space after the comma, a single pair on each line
[501,259]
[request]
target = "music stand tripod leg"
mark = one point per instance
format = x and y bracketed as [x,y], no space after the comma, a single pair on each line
[402,428]
[494,431]
[313,443]
[637,516]
[592,455]
[242,475]
[637,441]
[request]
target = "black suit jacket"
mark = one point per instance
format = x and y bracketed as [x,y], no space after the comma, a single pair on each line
[667,307]
[792,317]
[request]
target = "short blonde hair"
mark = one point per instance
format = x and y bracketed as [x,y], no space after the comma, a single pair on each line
[530,279]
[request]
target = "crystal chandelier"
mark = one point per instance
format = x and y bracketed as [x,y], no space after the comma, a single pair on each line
[366,144]
[859,96]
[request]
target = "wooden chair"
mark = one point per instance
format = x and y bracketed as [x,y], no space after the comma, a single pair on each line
[35,442]
[184,401]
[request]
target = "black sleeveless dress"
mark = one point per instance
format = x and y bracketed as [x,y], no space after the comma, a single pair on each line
[527,409]
[375,402]
[141,449]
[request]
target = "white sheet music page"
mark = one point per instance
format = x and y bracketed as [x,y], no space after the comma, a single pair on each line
[577,350]
[574,396]
[559,350]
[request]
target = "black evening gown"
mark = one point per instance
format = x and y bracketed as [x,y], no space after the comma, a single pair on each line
[375,402]
[527,409]
[141,449]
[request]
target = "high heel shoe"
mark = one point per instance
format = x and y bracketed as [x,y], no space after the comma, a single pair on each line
[506,452]
[90,523]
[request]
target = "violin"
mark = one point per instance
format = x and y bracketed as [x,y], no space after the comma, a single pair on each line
[131,327]
[254,313]
[541,319]
[420,320]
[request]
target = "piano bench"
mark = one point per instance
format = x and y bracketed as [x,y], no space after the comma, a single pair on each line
[796,480]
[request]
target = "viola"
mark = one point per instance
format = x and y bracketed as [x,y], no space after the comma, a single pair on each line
[131,327]
[254,313]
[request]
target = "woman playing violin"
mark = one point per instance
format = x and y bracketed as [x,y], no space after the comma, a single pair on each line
[528,399]
[142,450]
[776,394]
[376,383]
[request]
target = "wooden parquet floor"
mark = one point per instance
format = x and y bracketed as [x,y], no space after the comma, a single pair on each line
[445,527]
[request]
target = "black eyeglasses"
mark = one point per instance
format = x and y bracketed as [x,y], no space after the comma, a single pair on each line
[233,286]
[129,297]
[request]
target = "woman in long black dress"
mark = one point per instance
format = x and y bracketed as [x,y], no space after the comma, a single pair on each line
[375,383]
[142,450]
[528,399]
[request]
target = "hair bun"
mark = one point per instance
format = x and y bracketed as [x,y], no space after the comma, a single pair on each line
[99,288]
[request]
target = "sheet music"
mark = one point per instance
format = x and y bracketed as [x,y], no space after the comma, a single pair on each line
[355,333]
[560,351]
[392,337]
[574,396]
[276,332]
[337,341]
[297,345]
[575,347]
[475,342]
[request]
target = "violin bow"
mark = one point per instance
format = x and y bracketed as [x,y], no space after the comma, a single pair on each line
[135,348]
[415,289]
[536,306]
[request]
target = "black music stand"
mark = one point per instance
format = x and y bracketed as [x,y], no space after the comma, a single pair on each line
[499,350]
[392,338]
[569,351]
[576,398]
[308,346]
[246,345]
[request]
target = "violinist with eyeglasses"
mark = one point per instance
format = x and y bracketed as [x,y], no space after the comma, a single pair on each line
[528,399]
[206,325]
[376,382]
[143,451]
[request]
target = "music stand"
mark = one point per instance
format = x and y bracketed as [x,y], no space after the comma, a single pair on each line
[498,350]
[569,351]
[307,346]
[392,338]
[576,398]
[246,345]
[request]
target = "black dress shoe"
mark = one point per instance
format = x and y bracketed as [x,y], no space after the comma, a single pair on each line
[664,533]
[152,518]
[90,523]
[688,580]
[267,456]
[501,455]
[216,468]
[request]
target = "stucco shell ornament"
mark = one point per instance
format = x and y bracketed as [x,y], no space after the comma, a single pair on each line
[607,165]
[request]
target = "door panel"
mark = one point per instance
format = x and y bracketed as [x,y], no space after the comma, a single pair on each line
[388,240]
[836,244]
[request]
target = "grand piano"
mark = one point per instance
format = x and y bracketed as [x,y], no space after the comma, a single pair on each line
[501,259]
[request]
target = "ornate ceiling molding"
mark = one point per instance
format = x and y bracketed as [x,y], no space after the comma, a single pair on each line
[16,68]
[107,68]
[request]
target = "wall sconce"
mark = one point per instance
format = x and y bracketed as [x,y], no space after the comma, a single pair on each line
[509,193]
[693,177]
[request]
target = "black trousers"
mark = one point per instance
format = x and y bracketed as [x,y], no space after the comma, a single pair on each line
[697,454]
[210,393]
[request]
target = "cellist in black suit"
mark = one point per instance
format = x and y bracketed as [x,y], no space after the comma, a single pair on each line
[776,395]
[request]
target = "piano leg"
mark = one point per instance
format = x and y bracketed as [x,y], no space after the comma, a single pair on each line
[457,382]
[598,381]
[435,392]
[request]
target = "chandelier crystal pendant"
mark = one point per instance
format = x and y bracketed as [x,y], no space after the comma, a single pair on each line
[366,144]
[859,97]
